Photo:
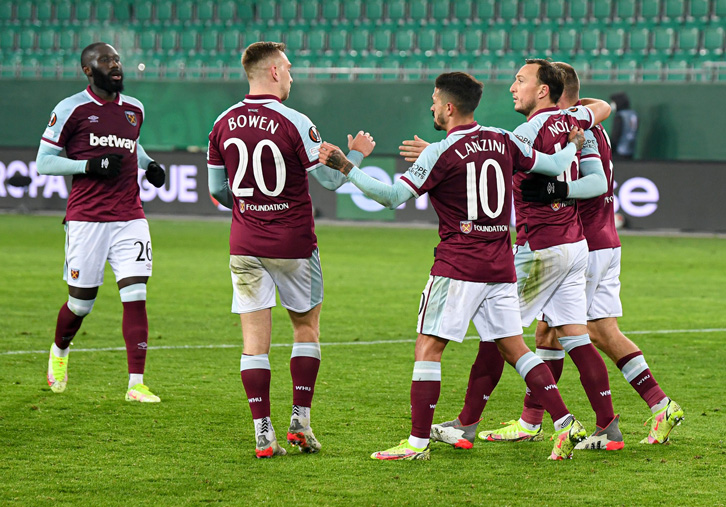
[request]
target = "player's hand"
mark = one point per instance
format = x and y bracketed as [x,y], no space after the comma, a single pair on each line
[108,166]
[155,174]
[332,156]
[412,148]
[362,142]
[577,136]
[543,189]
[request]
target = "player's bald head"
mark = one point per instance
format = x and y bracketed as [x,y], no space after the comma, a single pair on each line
[90,52]
[571,89]
[259,55]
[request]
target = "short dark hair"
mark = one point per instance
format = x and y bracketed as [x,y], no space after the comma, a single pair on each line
[259,51]
[89,50]
[571,81]
[462,89]
[549,75]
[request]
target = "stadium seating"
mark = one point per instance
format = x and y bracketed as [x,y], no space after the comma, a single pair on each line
[616,39]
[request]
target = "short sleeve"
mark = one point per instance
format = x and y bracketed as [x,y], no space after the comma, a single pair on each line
[60,123]
[418,177]
[523,156]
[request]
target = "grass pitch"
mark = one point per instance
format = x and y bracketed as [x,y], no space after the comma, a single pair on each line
[88,445]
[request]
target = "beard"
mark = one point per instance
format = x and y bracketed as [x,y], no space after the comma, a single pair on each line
[104,81]
[438,121]
[525,108]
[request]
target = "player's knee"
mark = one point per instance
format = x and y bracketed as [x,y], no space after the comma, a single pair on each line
[80,307]
[134,292]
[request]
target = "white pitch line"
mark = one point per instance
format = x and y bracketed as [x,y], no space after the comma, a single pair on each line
[330,344]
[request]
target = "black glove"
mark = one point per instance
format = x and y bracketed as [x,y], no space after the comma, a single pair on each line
[155,174]
[108,166]
[543,189]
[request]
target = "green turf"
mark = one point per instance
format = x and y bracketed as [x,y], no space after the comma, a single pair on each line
[88,446]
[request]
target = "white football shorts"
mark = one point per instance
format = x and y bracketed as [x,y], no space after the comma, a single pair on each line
[603,284]
[125,245]
[448,305]
[552,281]
[298,281]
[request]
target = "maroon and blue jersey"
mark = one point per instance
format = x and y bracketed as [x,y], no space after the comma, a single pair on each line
[598,214]
[468,177]
[87,127]
[546,225]
[267,149]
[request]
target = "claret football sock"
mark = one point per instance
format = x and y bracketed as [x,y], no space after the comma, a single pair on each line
[135,328]
[594,379]
[483,378]
[425,391]
[66,328]
[304,366]
[637,373]
[255,374]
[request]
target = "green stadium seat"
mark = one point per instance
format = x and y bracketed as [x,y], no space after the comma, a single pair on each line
[6,13]
[389,64]
[174,68]
[267,11]
[7,39]
[273,34]
[67,39]
[338,40]
[205,12]
[652,70]
[674,10]
[663,39]
[381,40]
[104,12]
[700,9]
[71,66]
[50,66]
[396,10]
[719,9]
[147,41]
[143,11]
[331,10]
[542,41]
[168,40]
[288,11]
[121,11]
[26,39]
[601,70]
[426,42]
[480,67]
[360,39]
[403,40]
[348,63]
[440,10]
[374,10]
[309,11]
[449,40]
[506,68]
[47,39]
[625,10]
[531,11]
[677,70]
[614,40]
[83,11]
[208,40]
[519,40]
[567,41]
[590,41]
[602,10]
[554,10]
[485,9]
[241,40]
[650,10]
[463,10]
[295,39]
[30,67]
[44,11]
[194,68]
[472,41]
[509,10]
[688,40]
[579,9]
[189,40]
[713,40]
[227,12]
[496,41]
[185,12]
[24,11]
[418,10]
[626,69]
[352,10]
[317,40]
[411,69]
[639,41]
[64,13]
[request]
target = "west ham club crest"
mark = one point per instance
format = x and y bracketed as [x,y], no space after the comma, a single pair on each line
[131,117]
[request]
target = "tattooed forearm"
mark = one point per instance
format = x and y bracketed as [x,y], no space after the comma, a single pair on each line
[338,161]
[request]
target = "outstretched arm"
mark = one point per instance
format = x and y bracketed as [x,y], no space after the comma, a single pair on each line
[390,196]
[360,147]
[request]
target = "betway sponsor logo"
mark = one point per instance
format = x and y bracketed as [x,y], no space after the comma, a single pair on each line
[257,399]
[303,388]
[605,393]
[113,141]
[643,379]
[551,386]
